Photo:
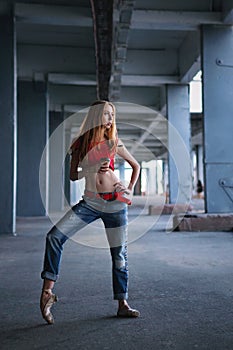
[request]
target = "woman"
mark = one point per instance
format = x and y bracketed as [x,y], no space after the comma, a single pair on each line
[104,197]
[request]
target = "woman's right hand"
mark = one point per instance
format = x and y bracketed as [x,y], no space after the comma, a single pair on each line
[104,165]
[101,167]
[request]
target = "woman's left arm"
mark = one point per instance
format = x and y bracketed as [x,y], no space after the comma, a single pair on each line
[125,154]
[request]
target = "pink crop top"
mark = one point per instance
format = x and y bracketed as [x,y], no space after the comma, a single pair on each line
[97,152]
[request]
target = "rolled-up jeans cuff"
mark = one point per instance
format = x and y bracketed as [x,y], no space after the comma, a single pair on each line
[49,276]
[121,296]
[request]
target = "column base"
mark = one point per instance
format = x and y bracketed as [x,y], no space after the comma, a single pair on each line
[168,209]
[203,222]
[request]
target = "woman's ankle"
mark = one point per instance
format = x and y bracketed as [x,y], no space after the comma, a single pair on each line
[47,291]
[123,303]
[48,285]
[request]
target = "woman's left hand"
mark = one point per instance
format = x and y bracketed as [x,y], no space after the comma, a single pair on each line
[125,193]
[120,187]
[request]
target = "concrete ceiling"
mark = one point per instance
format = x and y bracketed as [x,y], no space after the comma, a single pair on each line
[124,50]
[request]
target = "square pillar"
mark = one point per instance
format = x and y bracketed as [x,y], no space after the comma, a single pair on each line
[8,120]
[217,77]
[56,161]
[179,135]
[32,138]
[199,155]
[66,170]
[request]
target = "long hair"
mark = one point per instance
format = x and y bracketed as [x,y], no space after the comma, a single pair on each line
[92,130]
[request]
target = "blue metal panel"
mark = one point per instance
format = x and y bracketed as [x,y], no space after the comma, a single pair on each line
[217,67]
[219,187]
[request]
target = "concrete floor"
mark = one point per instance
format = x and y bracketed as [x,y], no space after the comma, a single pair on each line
[181,282]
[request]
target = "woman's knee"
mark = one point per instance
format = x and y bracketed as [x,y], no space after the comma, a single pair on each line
[55,237]
[119,257]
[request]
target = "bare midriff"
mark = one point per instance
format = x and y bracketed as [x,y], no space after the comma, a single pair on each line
[101,182]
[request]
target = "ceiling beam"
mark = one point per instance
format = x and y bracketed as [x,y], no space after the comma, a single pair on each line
[59,59]
[152,62]
[102,12]
[72,79]
[189,57]
[53,15]
[126,80]
[150,130]
[74,108]
[227,11]
[122,23]
[173,20]
[148,80]
[123,108]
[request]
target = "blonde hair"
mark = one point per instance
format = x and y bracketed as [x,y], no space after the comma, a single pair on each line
[92,130]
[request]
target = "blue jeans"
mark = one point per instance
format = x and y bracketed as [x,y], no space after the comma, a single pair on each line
[115,219]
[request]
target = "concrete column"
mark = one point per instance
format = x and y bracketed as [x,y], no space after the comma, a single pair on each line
[8,120]
[179,134]
[67,167]
[217,75]
[137,188]
[121,167]
[165,175]
[199,155]
[32,138]
[56,159]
